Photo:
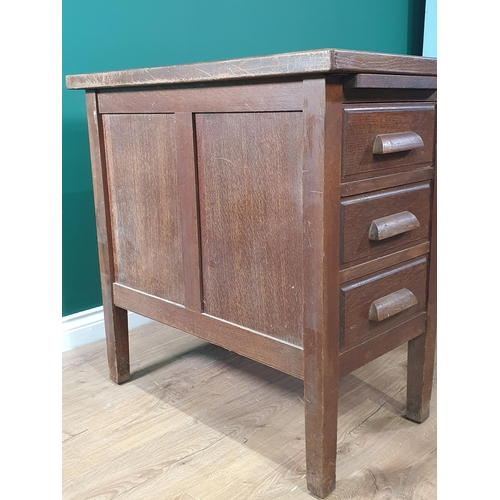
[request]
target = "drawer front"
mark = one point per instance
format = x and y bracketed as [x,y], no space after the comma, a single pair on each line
[379,138]
[379,302]
[382,222]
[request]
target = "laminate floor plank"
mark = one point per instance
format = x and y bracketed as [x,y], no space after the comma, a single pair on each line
[198,422]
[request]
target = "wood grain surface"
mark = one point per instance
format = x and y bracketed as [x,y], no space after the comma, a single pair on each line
[306,62]
[144,198]
[421,351]
[287,96]
[356,299]
[199,422]
[263,348]
[385,181]
[359,212]
[187,182]
[321,185]
[250,189]
[374,81]
[115,318]
[382,262]
[362,124]
[392,225]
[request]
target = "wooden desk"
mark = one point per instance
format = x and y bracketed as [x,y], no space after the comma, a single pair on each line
[282,207]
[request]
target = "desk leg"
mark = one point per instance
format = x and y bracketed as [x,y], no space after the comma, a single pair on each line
[420,372]
[323,114]
[320,398]
[422,349]
[115,318]
[117,340]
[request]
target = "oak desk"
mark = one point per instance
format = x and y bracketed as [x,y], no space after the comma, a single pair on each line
[282,207]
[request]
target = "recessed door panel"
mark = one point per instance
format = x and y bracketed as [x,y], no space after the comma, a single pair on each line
[250,183]
[145,213]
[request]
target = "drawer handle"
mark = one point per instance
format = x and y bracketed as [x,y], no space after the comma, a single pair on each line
[391,304]
[385,227]
[399,141]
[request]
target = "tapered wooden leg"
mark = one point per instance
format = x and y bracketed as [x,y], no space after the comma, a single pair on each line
[117,340]
[421,351]
[321,397]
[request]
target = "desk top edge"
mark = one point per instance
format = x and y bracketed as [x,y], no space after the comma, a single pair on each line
[324,61]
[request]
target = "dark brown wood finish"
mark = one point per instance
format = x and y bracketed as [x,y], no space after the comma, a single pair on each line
[147,236]
[374,81]
[231,98]
[187,191]
[362,124]
[357,299]
[321,184]
[262,348]
[392,225]
[422,350]
[359,213]
[244,202]
[385,181]
[250,169]
[365,95]
[392,304]
[115,318]
[384,262]
[296,63]
[351,61]
[357,356]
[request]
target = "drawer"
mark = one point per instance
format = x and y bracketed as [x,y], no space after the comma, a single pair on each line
[381,222]
[379,302]
[386,137]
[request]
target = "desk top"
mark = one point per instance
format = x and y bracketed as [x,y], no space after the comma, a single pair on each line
[325,61]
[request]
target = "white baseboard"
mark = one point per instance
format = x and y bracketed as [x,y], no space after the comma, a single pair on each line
[88,326]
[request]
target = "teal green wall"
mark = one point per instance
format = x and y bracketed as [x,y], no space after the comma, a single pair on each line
[105,35]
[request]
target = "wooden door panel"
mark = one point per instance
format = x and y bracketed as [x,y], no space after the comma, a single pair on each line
[142,174]
[250,181]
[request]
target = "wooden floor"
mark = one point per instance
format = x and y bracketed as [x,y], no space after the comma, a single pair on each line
[199,422]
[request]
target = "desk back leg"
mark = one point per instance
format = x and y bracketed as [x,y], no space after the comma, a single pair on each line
[117,339]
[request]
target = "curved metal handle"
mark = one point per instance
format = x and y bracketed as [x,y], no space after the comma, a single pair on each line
[391,304]
[399,141]
[385,227]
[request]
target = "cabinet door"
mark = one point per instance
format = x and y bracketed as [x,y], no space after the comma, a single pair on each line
[142,178]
